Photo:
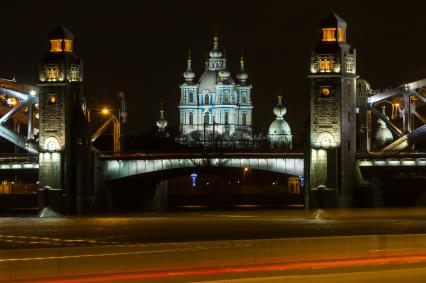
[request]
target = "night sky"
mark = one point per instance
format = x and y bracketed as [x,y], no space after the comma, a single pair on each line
[141,46]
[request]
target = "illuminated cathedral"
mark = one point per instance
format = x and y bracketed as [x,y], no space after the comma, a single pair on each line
[217,109]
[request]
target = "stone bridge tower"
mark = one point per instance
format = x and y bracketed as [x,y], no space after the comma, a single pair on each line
[64,173]
[331,157]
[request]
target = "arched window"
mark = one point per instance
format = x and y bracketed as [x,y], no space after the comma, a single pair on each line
[207,99]
[244,119]
[206,118]
[191,118]
[190,97]
[226,118]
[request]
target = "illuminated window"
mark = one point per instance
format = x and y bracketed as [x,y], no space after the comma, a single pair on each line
[74,74]
[325,92]
[191,118]
[206,118]
[207,99]
[326,64]
[244,119]
[56,45]
[52,74]
[68,45]
[341,34]
[329,34]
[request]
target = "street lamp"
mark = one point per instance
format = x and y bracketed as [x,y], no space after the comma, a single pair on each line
[245,171]
[116,130]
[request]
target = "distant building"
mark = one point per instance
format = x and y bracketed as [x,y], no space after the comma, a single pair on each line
[383,135]
[162,124]
[216,107]
[279,134]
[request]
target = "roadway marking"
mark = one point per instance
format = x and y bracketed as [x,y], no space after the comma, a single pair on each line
[108,254]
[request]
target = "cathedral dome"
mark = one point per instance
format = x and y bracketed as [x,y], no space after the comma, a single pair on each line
[279,133]
[242,76]
[215,52]
[208,80]
[279,127]
[383,135]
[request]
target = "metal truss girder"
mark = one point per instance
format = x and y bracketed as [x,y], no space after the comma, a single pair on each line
[18,139]
[9,114]
[384,95]
[416,84]
[404,141]
[394,128]
[419,96]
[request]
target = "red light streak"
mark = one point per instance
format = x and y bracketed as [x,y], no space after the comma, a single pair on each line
[271,267]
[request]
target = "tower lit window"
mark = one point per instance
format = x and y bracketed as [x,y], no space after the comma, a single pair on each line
[326,64]
[341,34]
[68,45]
[56,45]
[328,34]
[52,74]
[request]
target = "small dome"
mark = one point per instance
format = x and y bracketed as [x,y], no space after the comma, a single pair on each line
[216,53]
[242,75]
[61,33]
[279,110]
[224,74]
[279,133]
[189,75]
[279,127]
[161,123]
[384,135]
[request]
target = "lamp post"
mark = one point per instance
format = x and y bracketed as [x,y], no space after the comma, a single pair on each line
[116,129]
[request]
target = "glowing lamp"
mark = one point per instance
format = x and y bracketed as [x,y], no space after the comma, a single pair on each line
[105,111]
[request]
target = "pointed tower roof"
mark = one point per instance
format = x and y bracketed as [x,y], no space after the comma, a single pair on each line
[61,32]
[333,20]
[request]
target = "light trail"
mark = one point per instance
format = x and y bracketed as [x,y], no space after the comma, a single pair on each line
[240,269]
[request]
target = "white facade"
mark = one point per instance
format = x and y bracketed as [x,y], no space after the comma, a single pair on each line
[216,108]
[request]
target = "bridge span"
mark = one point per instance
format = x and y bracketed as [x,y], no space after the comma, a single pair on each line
[121,166]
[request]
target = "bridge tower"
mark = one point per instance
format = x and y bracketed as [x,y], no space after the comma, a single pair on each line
[331,158]
[64,159]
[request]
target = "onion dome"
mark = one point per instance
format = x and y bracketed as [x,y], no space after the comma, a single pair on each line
[189,75]
[279,133]
[242,75]
[224,74]
[215,52]
[383,135]
[162,122]
[279,110]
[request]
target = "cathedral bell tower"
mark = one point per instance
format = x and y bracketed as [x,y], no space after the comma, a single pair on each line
[63,137]
[332,78]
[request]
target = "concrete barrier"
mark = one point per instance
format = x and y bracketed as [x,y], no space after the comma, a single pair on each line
[60,262]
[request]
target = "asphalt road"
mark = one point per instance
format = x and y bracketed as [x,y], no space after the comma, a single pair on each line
[33,232]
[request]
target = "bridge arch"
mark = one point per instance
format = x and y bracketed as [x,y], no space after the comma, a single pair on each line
[113,169]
